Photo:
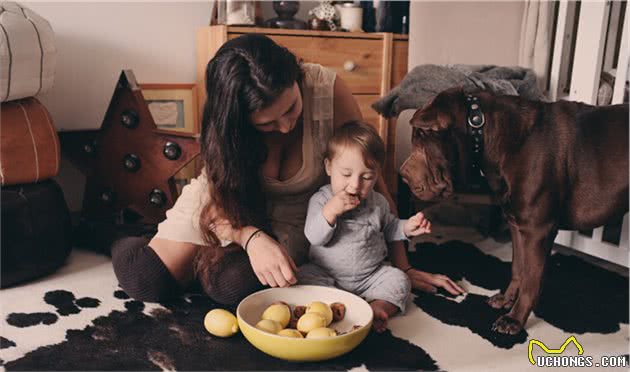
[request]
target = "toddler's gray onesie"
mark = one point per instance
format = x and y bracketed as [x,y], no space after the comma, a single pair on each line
[351,255]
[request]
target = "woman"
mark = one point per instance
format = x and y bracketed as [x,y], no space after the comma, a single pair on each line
[240,224]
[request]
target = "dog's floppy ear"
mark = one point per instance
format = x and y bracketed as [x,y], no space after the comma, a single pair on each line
[437,114]
[431,119]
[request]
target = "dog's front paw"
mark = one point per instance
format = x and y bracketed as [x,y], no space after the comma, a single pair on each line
[507,325]
[500,301]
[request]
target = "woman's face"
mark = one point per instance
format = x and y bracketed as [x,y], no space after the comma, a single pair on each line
[282,115]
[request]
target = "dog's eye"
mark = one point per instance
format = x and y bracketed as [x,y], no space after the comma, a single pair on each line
[419,133]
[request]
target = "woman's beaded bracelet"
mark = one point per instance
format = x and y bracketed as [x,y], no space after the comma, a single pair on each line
[407,269]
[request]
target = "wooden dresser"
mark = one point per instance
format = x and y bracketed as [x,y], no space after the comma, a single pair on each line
[370,63]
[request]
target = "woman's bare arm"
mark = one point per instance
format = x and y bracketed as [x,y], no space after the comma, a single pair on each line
[177,256]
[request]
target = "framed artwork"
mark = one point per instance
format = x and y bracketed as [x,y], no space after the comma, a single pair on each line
[173,107]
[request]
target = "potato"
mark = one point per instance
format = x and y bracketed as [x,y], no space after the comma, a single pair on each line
[299,311]
[221,323]
[339,311]
[292,323]
[269,325]
[322,308]
[288,332]
[280,312]
[310,321]
[321,333]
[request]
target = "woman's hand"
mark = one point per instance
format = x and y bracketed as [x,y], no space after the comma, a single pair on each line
[271,263]
[428,282]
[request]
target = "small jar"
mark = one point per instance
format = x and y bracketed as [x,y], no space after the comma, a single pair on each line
[351,17]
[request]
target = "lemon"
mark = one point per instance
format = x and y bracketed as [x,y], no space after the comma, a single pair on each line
[269,325]
[288,332]
[310,321]
[279,312]
[321,333]
[221,323]
[322,308]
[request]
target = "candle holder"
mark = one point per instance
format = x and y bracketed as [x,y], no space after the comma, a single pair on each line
[286,10]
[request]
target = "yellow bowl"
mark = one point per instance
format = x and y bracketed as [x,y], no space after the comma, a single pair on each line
[358,312]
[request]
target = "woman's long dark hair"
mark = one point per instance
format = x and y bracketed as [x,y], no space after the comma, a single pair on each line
[247,74]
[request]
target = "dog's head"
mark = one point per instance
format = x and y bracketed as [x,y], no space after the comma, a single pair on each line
[438,161]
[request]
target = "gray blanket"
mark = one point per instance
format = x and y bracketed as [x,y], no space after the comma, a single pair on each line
[424,81]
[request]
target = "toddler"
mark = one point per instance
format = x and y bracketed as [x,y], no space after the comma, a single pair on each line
[348,224]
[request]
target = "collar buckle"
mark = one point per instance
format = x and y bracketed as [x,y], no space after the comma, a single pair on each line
[476,119]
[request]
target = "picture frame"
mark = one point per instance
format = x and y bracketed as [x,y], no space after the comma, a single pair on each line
[174,107]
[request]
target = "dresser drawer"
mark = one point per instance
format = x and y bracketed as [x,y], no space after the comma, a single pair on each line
[369,115]
[365,105]
[365,54]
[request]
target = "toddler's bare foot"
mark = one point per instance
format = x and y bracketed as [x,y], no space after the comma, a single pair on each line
[382,311]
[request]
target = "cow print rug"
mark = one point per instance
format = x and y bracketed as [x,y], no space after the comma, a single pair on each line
[79,319]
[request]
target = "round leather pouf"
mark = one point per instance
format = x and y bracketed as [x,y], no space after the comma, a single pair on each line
[29,144]
[28,52]
[36,231]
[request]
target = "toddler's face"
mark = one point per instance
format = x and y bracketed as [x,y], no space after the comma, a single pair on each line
[348,172]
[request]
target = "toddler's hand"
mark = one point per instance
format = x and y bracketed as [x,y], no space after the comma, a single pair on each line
[417,225]
[338,205]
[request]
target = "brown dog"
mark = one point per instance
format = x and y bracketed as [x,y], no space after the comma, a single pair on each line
[561,165]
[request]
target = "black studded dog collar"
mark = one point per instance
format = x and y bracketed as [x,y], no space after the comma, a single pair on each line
[475,121]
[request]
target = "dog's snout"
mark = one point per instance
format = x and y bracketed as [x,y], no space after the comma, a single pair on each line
[441,188]
[404,172]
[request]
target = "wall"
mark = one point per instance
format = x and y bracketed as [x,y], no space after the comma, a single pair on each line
[468,32]
[95,41]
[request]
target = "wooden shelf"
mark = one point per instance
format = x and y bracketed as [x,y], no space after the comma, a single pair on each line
[279,31]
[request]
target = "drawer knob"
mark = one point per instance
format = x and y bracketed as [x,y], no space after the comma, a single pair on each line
[349,66]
